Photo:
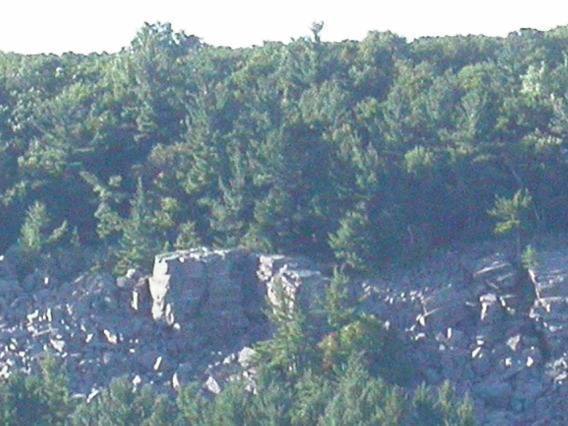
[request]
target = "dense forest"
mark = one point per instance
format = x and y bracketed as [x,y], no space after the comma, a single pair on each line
[358,153]
[355,151]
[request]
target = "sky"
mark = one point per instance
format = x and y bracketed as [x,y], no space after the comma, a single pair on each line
[83,26]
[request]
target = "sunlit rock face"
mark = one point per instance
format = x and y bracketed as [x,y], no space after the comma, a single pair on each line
[194,310]
[470,317]
[217,290]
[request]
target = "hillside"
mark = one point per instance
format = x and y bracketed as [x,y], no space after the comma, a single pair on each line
[353,196]
[464,315]
[358,152]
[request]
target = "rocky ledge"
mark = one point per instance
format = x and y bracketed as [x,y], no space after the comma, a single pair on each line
[165,329]
[468,316]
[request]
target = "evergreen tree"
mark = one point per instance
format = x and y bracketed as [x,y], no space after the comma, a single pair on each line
[231,213]
[119,405]
[354,244]
[512,215]
[230,406]
[41,399]
[292,349]
[340,307]
[362,400]
[36,233]
[312,394]
[187,237]
[37,236]
[140,241]
[192,406]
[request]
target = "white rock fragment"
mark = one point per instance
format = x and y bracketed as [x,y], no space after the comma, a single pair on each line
[158,363]
[111,337]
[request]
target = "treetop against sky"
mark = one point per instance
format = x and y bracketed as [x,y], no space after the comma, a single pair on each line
[36,26]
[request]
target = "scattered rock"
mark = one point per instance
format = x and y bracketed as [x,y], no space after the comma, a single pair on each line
[470,328]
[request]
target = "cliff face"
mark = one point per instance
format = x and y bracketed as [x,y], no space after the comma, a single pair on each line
[468,316]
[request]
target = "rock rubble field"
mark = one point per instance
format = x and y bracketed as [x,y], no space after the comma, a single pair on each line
[468,316]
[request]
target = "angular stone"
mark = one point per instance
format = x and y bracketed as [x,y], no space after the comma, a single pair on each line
[212,385]
[246,356]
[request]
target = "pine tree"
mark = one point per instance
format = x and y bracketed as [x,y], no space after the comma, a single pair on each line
[232,211]
[192,406]
[362,400]
[187,236]
[339,304]
[292,350]
[271,405]
[163,412]
[140,240]
[36,234]
[441,408]
[118,405]
[354,244]
[43,399]
[230,406]
[312,393]
[512,216]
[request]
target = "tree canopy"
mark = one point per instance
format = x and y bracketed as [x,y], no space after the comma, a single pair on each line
[357,152]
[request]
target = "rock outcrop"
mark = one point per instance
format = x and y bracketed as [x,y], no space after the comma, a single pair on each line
[492,330]
[169,328]
[469,317]
[217,290]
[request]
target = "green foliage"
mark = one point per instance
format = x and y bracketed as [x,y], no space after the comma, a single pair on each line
[38,239]
[292,349]
[511,213]
[272,405]
[441,409]
[418,160]
[362,152]
[119,405]
[368,337]
[42,399]
[230,406]
[36,233]
[530,258]
[187,237]
[290,386]
[362,400]
[339,305]
[139,242]
[354,243]
[313,393]
[192,406]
